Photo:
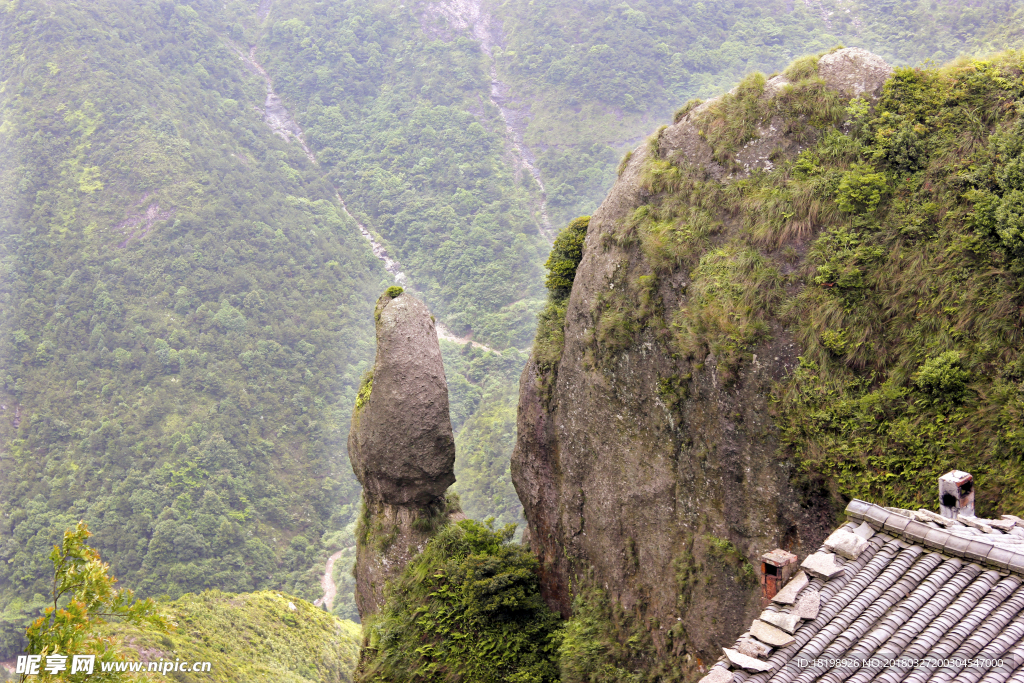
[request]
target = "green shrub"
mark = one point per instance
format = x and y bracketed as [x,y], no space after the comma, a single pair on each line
[802,68]
[565,257]
[727,554]
[1010,221]
[365,387]
[860,190]
[905,150]
[591,650]
[467,608]
[943,377]
[624,162]
[732,120]
[437,514]
[394,291]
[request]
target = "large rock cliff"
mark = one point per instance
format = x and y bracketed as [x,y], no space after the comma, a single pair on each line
[648,461]
[401,446]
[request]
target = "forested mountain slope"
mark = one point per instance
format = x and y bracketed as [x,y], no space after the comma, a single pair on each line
[185,301]
[389,94]
[184,307]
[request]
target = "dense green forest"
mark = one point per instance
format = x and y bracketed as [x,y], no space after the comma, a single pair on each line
[398,103]
[186,304]
[185,310]
[483,389]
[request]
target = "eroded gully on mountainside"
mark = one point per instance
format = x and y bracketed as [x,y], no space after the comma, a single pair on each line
[469,16]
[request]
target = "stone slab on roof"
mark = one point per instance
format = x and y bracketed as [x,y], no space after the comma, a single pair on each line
[789,593]
[917,591]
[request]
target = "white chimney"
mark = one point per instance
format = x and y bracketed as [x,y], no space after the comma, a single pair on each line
[956,494]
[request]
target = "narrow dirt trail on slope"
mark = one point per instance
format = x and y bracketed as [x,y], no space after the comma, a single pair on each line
[327,581]
[447,335]
[281,122]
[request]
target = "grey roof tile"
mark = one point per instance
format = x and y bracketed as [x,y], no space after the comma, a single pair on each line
[857,508]
[956,544]
[896,523]
[999,557]
[997,621]
[865,531]
[1013,660]
[877,516]
[916,531]
[998,675]
[898,598]
[999,648]
[956,642]
[977,550]
[1016,563]
[936,538]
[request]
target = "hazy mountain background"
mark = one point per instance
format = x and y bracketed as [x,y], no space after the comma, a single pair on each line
[185,292]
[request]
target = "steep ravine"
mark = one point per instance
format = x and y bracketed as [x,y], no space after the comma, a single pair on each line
[470,16]
[283,124]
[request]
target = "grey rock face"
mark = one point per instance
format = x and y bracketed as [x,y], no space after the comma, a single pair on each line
[387,542]
[401,447]
[610,457]
[401,444]
[854,72]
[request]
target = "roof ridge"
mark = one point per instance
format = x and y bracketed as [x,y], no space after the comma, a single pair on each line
[980,548]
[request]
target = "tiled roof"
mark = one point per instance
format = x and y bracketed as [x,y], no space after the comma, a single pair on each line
[913,586]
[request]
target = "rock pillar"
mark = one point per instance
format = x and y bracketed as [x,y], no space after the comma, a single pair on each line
[401,446]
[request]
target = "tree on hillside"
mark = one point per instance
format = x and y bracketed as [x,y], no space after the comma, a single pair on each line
[84,598]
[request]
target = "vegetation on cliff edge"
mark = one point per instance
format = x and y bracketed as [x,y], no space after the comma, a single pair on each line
[561,265]
[468,607]
[889,248]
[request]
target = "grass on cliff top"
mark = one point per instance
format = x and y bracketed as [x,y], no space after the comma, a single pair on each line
[891,249]
[252,637]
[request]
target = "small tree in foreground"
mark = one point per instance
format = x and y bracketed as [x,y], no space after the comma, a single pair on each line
[84,598]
